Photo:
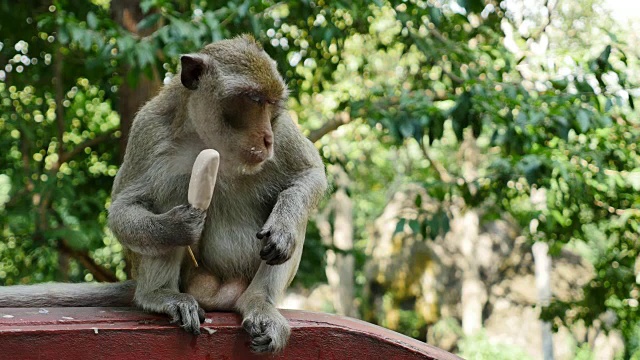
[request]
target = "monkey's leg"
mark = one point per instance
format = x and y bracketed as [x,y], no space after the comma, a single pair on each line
[157,290]
[269,330]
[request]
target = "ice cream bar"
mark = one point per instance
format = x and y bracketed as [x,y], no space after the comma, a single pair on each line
[203,179]
[202,183]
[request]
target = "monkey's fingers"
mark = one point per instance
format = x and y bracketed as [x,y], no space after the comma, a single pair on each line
[267,253]
[186,313]
[268,334]
[278,248]
[261,344]
[201,315]
[190,318]
[263,233]
[173,312]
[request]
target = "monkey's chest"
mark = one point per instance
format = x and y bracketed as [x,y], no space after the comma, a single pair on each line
[229,246]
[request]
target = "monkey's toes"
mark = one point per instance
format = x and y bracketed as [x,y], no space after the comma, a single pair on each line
[269,334]
[187,313]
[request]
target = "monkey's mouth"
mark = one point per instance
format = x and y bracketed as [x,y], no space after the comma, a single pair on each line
[257,156]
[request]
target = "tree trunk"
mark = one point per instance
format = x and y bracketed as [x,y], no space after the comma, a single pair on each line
[128,14]
[466,226]
[542,263]
[340,267]
[340,264]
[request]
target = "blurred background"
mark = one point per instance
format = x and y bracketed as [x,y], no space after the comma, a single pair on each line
[482,155]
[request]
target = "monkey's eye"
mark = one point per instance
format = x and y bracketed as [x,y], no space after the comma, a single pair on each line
[255,98]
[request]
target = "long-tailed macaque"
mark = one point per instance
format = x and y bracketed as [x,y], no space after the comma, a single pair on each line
[231,98]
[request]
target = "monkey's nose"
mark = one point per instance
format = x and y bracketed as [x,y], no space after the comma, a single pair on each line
[268,140]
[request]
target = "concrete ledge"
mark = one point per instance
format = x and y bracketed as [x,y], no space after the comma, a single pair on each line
[125,333]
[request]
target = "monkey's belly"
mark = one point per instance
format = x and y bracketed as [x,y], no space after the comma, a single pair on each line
[229,247]
[213,295]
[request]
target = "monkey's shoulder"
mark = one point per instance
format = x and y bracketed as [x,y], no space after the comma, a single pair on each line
[294,152]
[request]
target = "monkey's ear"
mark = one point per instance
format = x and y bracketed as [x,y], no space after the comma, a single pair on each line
[192,69]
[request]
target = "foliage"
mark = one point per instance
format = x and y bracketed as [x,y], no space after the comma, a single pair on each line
[555,136]
[478,347]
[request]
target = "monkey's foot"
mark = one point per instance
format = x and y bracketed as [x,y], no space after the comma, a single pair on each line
[269,330]
[184,310]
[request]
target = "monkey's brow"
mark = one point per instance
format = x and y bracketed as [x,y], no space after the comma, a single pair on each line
[262,95]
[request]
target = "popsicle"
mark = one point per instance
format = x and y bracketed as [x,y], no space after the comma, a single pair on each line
[203,180]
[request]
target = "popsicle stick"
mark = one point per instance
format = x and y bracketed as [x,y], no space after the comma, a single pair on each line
[193,257]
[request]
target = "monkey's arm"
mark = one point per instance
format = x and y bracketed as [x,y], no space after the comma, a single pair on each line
[148,233]
[296,201]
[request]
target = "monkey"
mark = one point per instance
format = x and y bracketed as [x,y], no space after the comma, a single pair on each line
[230,97]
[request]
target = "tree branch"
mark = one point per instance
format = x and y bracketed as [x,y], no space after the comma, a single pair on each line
[340,119]
[64,157]
[443,174]
[99,272]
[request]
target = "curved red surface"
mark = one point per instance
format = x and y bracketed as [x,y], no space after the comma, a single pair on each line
[124,333]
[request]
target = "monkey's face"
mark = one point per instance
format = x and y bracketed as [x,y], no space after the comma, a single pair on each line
[236,94]
[247,121]
[239,128]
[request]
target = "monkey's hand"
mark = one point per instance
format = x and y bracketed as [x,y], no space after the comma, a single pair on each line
[184,224]
[278,242]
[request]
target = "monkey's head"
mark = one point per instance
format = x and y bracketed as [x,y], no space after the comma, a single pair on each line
[235,96]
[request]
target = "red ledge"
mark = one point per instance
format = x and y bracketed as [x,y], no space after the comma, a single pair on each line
[125,333]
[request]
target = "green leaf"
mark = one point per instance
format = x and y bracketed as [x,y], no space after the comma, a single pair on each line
[476,125]
[584,87]
[400,226]
[436,129]
[148,21]
[608,105]
[418,201]
[560,84]
[406,129]
[435,15]
[472,6]
[460,115]
[244,8]
[63,36]
[146,5]
[145,54]
[418,131]
[415,226]
[584,120]
[439,224]
[604,56]
[92,20]
[557,215]
[125,43]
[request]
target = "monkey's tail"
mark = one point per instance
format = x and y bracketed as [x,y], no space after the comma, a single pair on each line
[68,295]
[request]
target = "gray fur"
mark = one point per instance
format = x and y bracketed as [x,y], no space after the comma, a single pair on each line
[57,294]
